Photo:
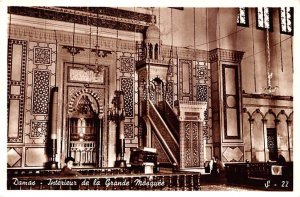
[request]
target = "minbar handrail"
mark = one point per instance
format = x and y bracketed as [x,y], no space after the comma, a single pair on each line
[174,148]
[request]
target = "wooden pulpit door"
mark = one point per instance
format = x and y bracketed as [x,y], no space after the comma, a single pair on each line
[84,131]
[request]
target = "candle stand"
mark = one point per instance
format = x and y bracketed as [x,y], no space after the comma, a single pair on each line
[116,114]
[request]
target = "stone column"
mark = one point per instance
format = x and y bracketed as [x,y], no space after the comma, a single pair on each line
[181,146]
[201,144]
[251,121]
[289,125]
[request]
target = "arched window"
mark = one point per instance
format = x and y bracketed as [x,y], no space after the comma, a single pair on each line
[156,52]
[150,51]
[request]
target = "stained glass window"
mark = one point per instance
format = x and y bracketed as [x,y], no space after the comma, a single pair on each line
[242,18]
[287,20]
[264,18]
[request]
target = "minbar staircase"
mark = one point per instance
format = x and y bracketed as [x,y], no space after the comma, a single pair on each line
[167,136]
[177,136]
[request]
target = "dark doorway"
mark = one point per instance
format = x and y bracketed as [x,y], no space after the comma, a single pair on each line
[272,143]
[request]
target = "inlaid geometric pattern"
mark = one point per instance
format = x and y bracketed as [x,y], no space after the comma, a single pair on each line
[206,115]
[185,78]
[38,129]
[201,93]
[41,92]
[127,87]
[162,156]
[75,94]
[201,72]
[169,93]
[195,144]
[233,154]
[127,64]
[128,131]
[21,96]
[42,55]
[152,93]
[187,143]
[205,130]
[13,157]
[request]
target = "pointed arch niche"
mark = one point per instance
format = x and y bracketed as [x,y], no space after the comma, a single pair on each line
[84,130]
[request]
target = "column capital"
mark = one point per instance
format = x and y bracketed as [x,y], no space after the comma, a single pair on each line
[264,120]
[289,122]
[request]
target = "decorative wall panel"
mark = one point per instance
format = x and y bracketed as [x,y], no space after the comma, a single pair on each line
[42,55]
[187,143]
[41,75]
[233,154]
[35,157]
[185,79]
[201,93]
[17,49]
[162,156]
[195,144]
[128,130]
[191,144]
[127,80]
[231,102]
[127,87]
[38,129]
[14,157]
[169,92]
[127,64]
[41,92]
[201,72]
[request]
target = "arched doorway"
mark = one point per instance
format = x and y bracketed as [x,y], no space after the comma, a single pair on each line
[156,90]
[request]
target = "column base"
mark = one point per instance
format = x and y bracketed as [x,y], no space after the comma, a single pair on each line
[120,164]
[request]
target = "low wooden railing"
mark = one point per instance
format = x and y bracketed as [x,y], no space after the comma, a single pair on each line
[83,171]
[259,175]
[174,181]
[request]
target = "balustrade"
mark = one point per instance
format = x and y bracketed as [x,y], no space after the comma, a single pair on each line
[257,174]
[84,153]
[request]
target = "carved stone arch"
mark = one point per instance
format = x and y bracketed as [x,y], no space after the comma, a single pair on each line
[158,78]
[291,116]
[271,135]
[270,111]
[159,88]
[75,98]
[257,111]
[247,124]
[270,114]
[282,113]
[245,111]
[258,145]
[283,135]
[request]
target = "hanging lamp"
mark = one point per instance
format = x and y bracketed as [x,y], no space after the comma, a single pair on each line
[98,67]
[269,89]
